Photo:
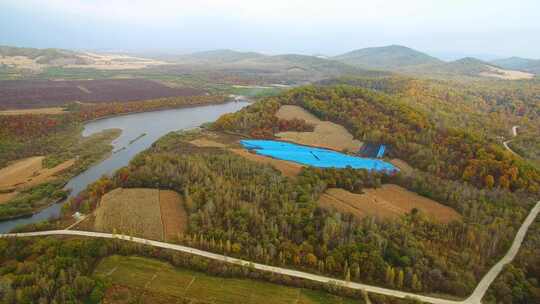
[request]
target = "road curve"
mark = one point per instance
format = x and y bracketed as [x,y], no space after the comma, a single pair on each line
[490,276]
[505,143]
[475,297]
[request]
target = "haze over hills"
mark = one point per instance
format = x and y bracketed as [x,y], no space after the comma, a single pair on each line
[518,63]
[402,59]
[288,68]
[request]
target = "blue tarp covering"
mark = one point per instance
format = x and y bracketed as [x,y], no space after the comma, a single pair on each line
[380,154]
[316,157]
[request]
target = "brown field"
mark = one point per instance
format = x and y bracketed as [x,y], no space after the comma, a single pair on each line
[130,211]
[114,62]
[326,134]
[28,94]
[29,172]
[204,142]
[173,214]
[6,197]
[403,166]
[52,110]
[286,168]
[506,74]
[389,201]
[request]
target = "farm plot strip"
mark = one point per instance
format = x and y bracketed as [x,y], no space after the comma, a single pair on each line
[173,215]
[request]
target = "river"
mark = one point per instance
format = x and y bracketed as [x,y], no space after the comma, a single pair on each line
[153,124]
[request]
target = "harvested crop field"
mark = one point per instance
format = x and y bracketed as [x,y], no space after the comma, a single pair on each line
[50,111]
[29,172]
[326,134]
[130,211]
[286,168]
[389,201]
[149,213]
[173,214]
[27,94]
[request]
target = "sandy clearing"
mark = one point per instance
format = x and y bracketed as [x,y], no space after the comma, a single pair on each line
[286,168]
[134,211]
[203,142]
[326,134]
[26,173]
[389,201]
[20,171]
[506,74]
[21,62]
[52,110]
[173,214]
[114,62]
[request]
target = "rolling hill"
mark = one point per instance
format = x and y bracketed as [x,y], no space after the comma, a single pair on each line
[286,67]
[472,67]
[518,63]
[216,57]
[393,57]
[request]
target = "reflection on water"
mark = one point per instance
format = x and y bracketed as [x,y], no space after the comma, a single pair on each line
[154,124]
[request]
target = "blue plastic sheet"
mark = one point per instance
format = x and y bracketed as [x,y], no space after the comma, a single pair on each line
[316,157]
[380,154]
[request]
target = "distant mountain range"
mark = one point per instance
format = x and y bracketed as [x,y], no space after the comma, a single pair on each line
[402,59]
[290,67]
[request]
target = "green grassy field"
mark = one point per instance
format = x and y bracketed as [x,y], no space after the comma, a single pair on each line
[142,280]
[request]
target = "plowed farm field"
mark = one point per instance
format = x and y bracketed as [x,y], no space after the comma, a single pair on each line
[28,94]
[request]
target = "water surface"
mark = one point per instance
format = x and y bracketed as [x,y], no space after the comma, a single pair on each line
[154,124]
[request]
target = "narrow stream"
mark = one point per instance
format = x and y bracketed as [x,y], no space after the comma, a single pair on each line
[154,124]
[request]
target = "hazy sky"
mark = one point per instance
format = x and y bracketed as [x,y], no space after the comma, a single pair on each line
[453,27]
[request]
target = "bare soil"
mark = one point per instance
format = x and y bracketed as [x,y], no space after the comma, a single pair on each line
[326,134]
[29,172]
[173,214]
[506,74]
[389,201]
[286,168]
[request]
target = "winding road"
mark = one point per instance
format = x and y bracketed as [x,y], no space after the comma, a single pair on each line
[474,298]
[505,143]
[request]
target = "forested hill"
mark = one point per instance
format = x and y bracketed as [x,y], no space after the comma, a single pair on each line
[415,136]
[393,57]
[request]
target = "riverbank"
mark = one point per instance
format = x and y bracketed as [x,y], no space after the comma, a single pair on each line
[126,127]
